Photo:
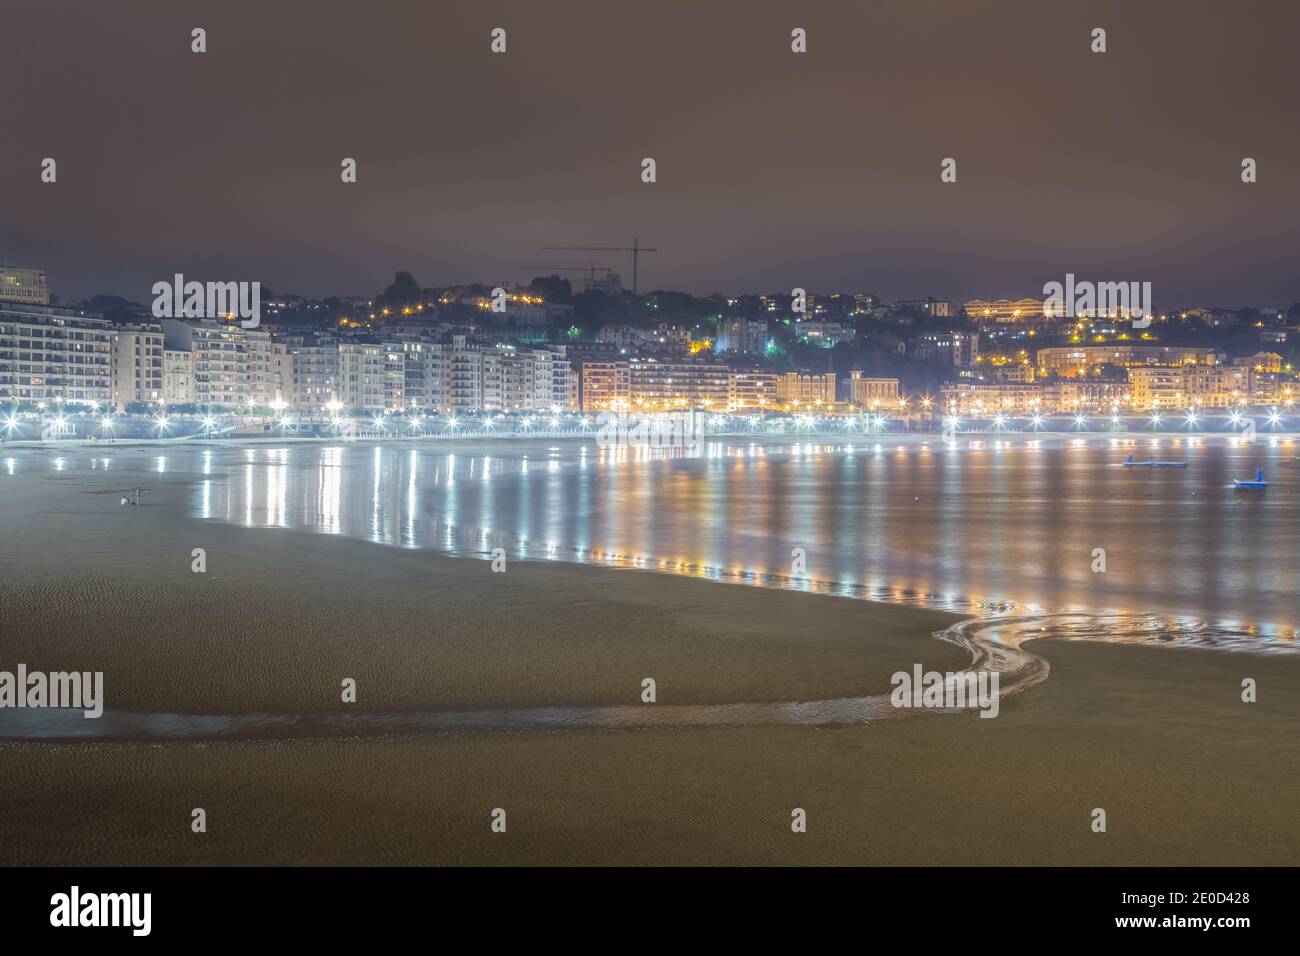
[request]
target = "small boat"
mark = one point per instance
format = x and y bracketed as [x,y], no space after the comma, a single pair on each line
[1259,481]
[1152,463]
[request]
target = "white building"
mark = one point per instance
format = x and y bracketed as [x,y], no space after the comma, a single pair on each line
[220,359]
[47,354]
[138,368]
[738,334]
[361,376]
[314,366]
[178,376]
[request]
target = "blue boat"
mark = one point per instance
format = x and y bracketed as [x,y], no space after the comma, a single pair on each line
[1152,463]
[1259,481]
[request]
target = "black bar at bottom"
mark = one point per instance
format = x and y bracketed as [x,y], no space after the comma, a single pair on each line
[215,905]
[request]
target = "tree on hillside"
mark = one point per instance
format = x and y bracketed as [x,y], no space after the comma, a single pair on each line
[403,291]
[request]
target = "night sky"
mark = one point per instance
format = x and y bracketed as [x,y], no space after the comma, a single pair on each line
[774,169]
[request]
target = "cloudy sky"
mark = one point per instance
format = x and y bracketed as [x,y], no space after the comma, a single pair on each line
[774,169]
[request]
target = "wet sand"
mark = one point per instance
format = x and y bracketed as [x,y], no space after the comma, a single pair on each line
[1156,736]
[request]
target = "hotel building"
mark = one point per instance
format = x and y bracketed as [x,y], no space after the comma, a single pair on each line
[805,388]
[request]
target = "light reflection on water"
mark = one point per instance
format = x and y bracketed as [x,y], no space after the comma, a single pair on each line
[987,527]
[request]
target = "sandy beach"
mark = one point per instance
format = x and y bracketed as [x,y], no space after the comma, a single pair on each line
[1157,736]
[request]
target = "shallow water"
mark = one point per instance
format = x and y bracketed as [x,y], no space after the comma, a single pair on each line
[994,525]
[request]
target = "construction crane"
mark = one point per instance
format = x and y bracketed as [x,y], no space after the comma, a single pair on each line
[636,249]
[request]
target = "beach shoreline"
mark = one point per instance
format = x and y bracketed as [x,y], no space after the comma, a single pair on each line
[1157,735]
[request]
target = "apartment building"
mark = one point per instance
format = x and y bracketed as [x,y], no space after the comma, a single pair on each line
[313,368]
[26,286]
[137,363]
[990,400]
[604,385]
[739,334]
[362,376]
[220,361]
[751,390]
[1185,385]
[263,367]
[52,354]
[178,376]
[660,385]
[958,349]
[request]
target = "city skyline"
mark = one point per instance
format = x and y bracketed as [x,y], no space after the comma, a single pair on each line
[775,169]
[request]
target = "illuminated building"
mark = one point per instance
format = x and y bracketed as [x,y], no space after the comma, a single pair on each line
[977,401]
[872,392]
[1069,361]
[47,353]
[805,388]
[604,385]
[220,358]
[751,390]
[178,376]
[137,363]
[27,286]
[1179,387]
[361,377]
[738,334]
[1006,310]
[657,384]
[958,349]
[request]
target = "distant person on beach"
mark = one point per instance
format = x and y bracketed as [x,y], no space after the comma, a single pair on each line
[125,500]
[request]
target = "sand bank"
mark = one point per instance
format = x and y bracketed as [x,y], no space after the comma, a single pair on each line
[1156,736]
